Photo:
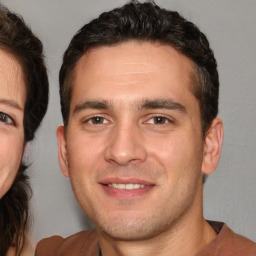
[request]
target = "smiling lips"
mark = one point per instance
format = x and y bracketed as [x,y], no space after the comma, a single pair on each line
[127,186]
[126,189]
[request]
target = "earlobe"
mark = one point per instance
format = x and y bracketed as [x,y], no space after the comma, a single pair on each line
[62,150]
[212,146]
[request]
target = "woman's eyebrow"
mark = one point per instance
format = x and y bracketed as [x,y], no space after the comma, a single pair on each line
[11,103]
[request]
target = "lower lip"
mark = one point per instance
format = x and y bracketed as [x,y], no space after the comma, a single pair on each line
[126,193]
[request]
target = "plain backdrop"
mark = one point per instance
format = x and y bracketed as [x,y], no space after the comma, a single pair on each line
[230,192]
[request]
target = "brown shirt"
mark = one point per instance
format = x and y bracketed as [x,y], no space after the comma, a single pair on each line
[85,243]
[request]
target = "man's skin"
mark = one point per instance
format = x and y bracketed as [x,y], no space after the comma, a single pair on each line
[135,120]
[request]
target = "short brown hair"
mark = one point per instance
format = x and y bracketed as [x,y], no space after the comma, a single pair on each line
[147,22]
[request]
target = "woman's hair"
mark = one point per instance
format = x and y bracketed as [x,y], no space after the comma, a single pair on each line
[18,40]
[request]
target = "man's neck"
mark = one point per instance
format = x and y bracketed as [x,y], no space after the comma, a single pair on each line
[182,241]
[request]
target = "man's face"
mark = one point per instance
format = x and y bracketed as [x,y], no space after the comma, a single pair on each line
[133,147]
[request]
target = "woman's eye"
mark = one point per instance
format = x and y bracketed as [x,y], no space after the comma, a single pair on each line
[97,120]
[159,120]
[4,118]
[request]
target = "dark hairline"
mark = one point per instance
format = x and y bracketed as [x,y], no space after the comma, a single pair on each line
[194,84]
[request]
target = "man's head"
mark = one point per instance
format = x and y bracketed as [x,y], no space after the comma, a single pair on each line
[133,86]
[147,22]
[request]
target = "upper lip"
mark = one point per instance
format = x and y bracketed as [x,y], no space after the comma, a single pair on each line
[118,180]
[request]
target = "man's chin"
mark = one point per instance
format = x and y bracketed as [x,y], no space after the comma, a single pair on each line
[130,231]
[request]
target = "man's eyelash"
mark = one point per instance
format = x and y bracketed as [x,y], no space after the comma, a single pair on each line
[161,119]
[87,120]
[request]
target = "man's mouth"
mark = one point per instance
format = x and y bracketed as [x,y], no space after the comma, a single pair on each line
[130,188]
[127,186]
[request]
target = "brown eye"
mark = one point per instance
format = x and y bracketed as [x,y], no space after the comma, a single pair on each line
[97,120]
[160,120]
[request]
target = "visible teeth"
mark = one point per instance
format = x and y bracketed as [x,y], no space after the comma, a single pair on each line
[137,185]
[129,186]
[126,186]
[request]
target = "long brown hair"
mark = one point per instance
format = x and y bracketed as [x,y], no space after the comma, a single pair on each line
[17,39]
[14,214]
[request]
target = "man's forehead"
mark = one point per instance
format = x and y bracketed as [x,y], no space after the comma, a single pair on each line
[132,56]
[130,68]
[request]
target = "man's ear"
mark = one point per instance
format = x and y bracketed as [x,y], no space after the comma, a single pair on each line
[212,146]
[62,150]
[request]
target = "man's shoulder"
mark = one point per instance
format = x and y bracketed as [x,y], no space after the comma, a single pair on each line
[228,243]
[82,243]
[240,244]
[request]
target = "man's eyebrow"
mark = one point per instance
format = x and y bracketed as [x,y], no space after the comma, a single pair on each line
[162,104]
[141,104]
[11,103]
[92,104]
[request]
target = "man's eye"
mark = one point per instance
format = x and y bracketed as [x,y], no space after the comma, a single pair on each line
[158,120]
[97,120]
[4,118]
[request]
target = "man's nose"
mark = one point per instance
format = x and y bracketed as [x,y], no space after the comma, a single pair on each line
[125,146]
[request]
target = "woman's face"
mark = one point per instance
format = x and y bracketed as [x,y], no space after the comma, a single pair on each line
[12,103]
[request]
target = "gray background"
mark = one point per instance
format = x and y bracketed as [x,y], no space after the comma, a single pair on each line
[229,192]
